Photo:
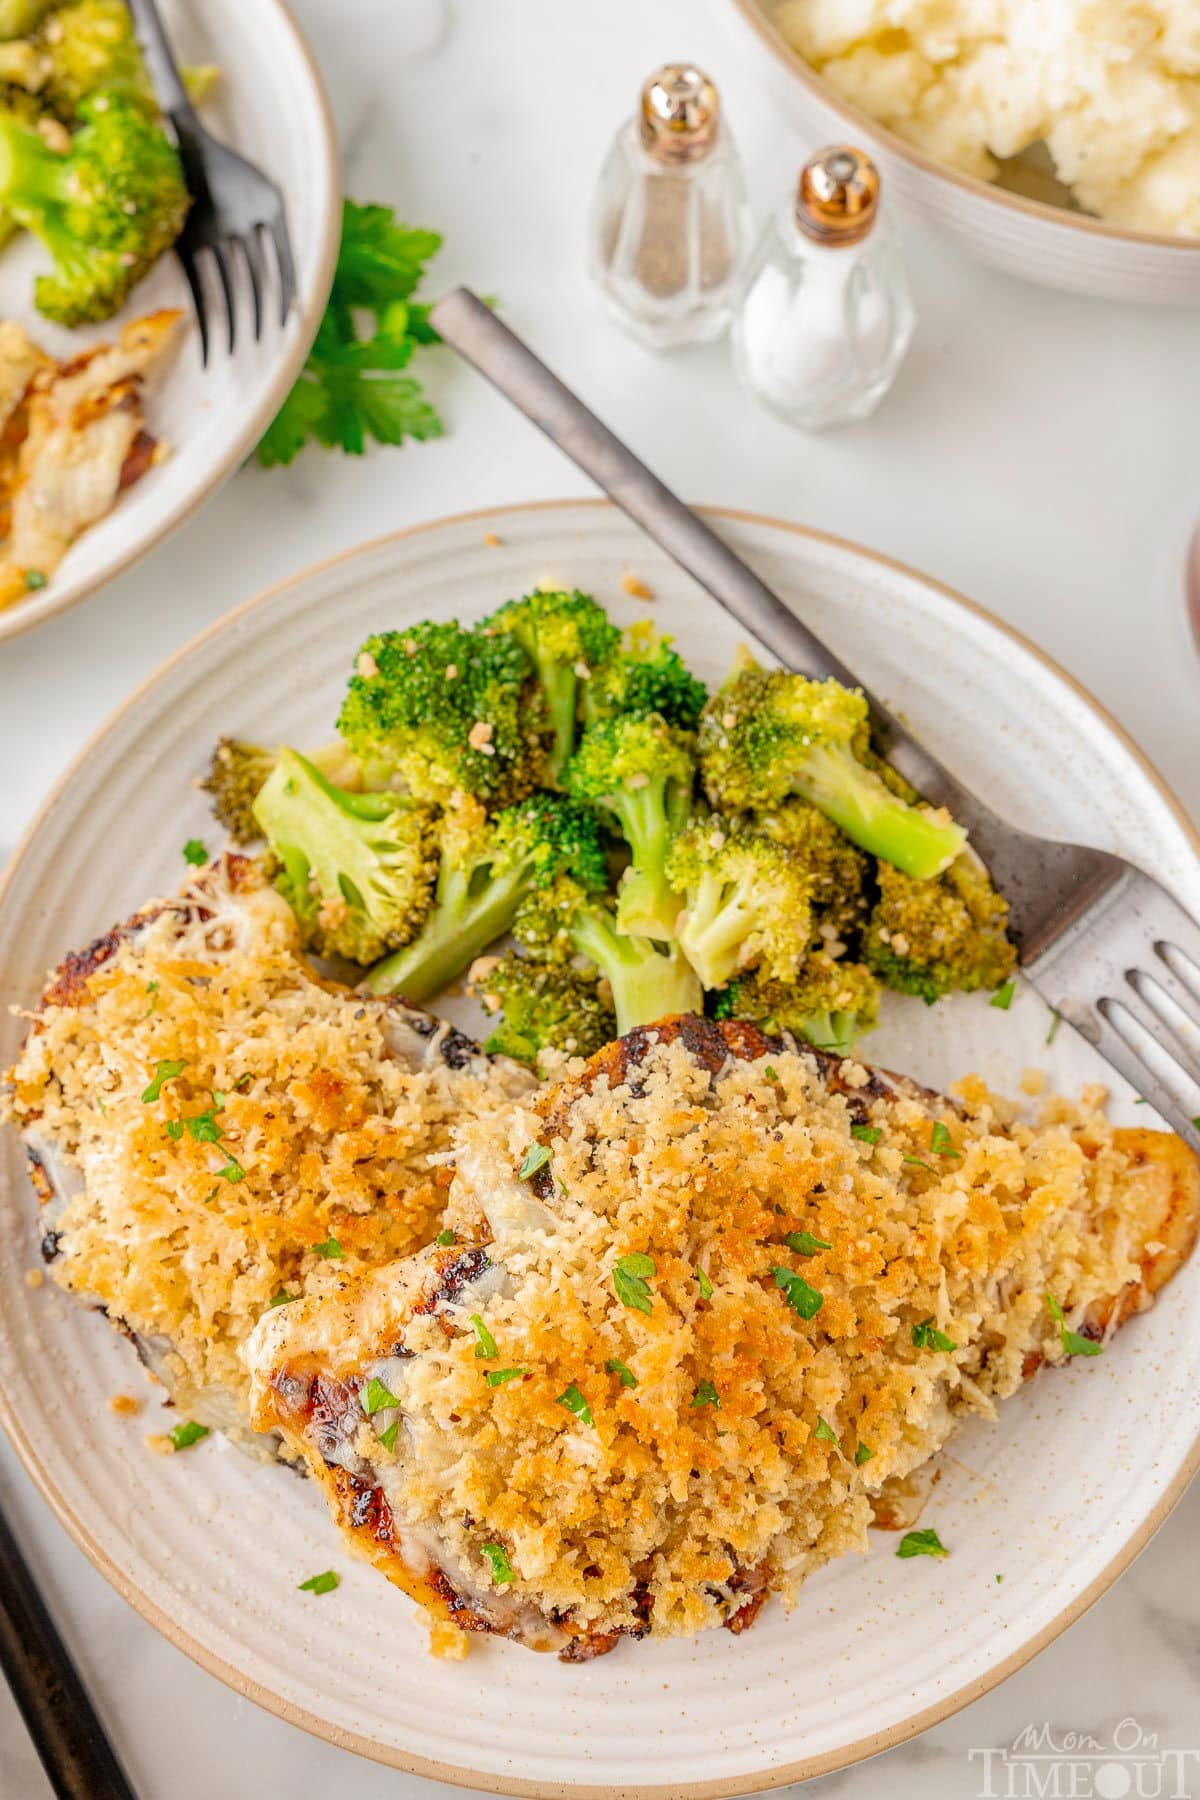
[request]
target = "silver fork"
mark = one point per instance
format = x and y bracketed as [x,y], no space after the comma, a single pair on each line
[1105,945]
[234,205]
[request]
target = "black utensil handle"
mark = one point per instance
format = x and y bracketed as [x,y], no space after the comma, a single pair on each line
[79,1761]
[159,57]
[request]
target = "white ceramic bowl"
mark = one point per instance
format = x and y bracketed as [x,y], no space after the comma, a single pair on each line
[1023,237]
[1058,1497]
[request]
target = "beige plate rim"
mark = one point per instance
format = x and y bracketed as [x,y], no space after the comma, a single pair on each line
[806,1767]
[753,16]
[16,621]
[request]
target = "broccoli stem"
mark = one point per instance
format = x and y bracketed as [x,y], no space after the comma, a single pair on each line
[832,778]
[831,1031]
[30,172]
[560,687]
[647,984]
[647,905]
[472,908]
[719,918]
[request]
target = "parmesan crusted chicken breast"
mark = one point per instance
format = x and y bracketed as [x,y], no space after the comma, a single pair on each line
[214,1130]
[696,1314]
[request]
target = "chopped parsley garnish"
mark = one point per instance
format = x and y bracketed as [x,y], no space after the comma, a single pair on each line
[800,1296]
[378,1397]
[321,1584]
[485,1343]
[202,1128]
[922,1543]
[243,1082]
[163,1071]
[152,991]
[388,1438]
[706,1286]
[536,1157]
[34,578]
[770,1073]
[866,1134]
[195,853]
[1073,1342]
[174,1130]
[999,1578]
[498,1377]
[825,1430]
[624,1374]
[920,1162]
[940,1141]
[862,1455]
[1055,1022]
[574,1402]
[282,1298]
[184,1436]
[926,1336]
[331,1250]
[631,1275]
[1003,998]
[1196,1123]
[502,1569]
[805,1244]
[444,1239]
[706,1395]
[231,1170]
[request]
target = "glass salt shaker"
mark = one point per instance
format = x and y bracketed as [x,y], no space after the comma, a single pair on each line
[670,227]
[826,315]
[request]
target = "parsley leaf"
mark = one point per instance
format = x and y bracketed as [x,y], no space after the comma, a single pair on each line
[706,1395]
[624,1374]
[1073,1342]
[925,1336]
[805,1244]
[866,1134]
[536,1157]
[350,388]
[630,1279]
[152,991]
[800,1296]
[163,1072]
[331,1250]
[282,1298]
[862,1455]
[1055,1022]
[195,853]
[825,1430]
[922,1543]
[502,1569]
[232,1170]
[1003,997]
[485,1343]
[498,1377]
[184,1436]
[920,1162]
[940,1141]
[444,1239]
[321,1584]
[378,1397]
[574,1402]
[388,1438]
[770,1073]
[706,1286]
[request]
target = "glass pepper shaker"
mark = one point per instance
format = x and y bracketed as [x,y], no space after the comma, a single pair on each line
[670,228]
[826,315]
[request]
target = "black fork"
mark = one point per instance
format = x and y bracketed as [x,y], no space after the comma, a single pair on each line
[234,205]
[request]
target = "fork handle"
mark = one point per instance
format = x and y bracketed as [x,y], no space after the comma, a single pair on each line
[159,58]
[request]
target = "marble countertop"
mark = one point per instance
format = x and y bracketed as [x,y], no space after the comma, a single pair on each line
[1037,453]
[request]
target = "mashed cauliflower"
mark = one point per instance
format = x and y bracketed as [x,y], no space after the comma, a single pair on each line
[1112,87]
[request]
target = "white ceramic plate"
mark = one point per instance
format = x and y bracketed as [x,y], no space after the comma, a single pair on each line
[270,105]
[1025,237]
[209,1547]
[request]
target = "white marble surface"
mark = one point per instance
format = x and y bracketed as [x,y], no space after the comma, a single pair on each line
[1038,453]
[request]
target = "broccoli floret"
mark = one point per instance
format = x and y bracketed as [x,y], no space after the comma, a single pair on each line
[768,734]
[639,771]
[451,711]
[356,869]
[931,937]
[19,17]
[106,208]
[90,48]
[238,771]
[829,1003]
[746,902]
[646,675]
[487,869]
[565,636]
[648,981]
[545,1006]
[837,870]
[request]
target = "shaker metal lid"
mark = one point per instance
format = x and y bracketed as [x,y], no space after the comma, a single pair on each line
[681,113]
[837,195]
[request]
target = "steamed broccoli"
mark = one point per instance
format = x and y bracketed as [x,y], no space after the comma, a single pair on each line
[356,869]
[746,899]
[565,636]
[829,1003]
[647,982]
[451,711]
[19,17]
[768,734]
[640,771]
[546,1006]
[106,208]
[238,771]
[487,869]
[931,937]
[82,49]
[646,675]
[837,870]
